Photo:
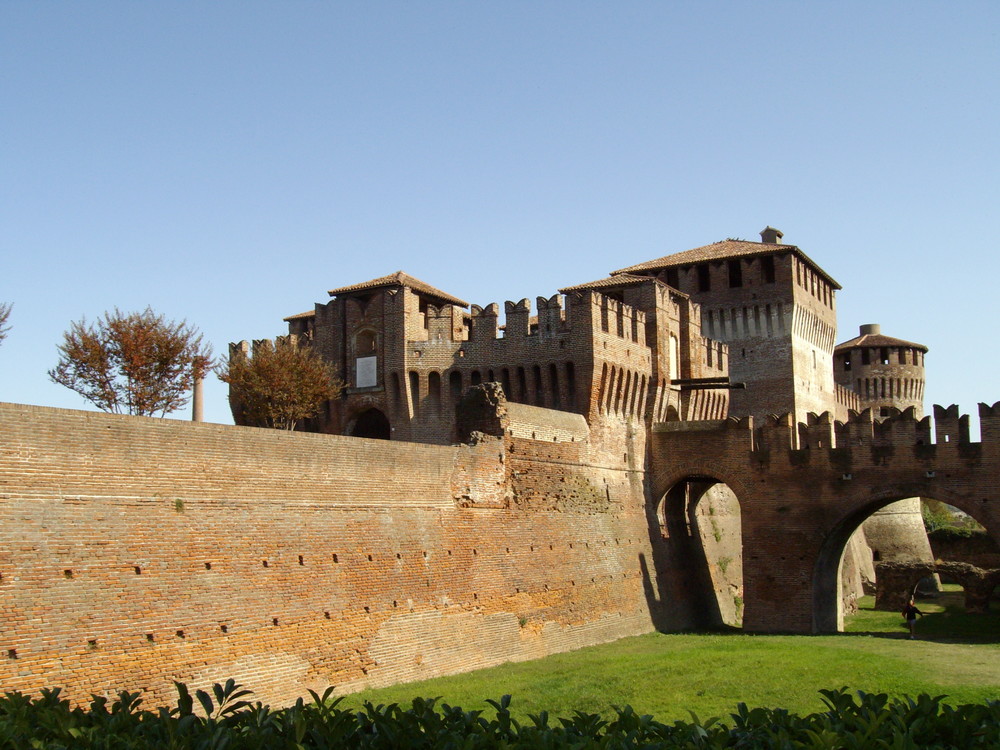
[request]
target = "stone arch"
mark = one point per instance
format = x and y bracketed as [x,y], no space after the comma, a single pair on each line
[663,482]
[827,613]
[696,526]
[371,423]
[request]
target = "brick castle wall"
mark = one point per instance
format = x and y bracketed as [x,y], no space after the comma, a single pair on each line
[140,551]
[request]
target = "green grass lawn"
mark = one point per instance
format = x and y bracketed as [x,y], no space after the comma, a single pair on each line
[668,675]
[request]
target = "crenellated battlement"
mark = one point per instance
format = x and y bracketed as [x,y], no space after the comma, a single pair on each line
[555,315]
[246,348]
[861,430]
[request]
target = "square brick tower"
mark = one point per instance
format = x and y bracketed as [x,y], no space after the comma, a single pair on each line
[774,307]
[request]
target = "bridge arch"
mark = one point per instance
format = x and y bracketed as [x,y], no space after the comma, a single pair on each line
[695,521]
[828,615]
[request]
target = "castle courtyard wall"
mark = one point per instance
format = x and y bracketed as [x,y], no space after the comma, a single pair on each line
[136,552]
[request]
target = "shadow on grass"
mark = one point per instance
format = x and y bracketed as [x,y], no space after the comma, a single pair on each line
[944,620]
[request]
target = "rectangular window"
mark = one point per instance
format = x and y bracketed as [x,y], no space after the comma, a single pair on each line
[704,283]
[767,269]
[672,279]
[735,274]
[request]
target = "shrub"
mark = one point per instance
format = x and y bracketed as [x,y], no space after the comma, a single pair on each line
[225,717]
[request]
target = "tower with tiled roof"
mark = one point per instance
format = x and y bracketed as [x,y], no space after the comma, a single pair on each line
[885,372]
[774,308]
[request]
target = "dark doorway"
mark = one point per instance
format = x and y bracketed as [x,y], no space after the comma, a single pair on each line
[371,424]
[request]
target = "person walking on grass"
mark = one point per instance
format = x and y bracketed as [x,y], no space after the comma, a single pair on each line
[910,613]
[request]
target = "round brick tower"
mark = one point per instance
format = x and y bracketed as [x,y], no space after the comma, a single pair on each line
[888,374]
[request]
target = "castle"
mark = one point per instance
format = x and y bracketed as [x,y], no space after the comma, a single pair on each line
[734,328]
[676,445]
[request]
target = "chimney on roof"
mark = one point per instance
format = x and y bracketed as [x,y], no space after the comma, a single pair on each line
[771,236]
[871,328]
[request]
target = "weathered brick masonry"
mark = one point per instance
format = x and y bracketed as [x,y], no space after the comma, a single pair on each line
[804,489]
[139,551]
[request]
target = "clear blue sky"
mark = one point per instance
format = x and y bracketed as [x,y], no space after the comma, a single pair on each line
[229,162]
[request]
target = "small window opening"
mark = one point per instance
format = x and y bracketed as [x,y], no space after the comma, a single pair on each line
[735,274]
[767,269]
[704,281]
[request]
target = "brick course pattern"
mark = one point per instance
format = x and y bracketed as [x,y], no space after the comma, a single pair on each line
[803,490]
[141,551]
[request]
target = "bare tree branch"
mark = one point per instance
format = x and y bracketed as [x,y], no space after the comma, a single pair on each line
[5,308]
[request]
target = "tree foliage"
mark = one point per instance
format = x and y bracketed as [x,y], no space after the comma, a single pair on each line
[132,363]
[5,308]
[278,385]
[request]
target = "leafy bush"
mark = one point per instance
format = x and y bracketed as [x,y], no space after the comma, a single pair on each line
[226,719]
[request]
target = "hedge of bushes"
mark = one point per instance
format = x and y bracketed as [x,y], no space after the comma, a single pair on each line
[224,718]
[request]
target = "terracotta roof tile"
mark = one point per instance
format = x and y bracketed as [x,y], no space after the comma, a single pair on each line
[400,279]
[300,316]
[612,282]
[730,248]
[876,340]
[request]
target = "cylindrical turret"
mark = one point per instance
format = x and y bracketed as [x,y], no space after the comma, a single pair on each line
[885,372]
[888,374]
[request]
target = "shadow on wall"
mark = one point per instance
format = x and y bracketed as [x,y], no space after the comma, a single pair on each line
[696,576]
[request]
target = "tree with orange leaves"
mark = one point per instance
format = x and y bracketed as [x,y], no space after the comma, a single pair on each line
[132,363]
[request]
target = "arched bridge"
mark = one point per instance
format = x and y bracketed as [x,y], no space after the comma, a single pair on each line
[805,488]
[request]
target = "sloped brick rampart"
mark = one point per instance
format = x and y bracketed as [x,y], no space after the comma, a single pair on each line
[139,551]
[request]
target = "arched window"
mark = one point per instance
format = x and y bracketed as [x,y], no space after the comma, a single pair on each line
[455,385]
[434,391]
[539,388]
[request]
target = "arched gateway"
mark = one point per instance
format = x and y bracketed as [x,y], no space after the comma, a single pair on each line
[803,489]
[371,423]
